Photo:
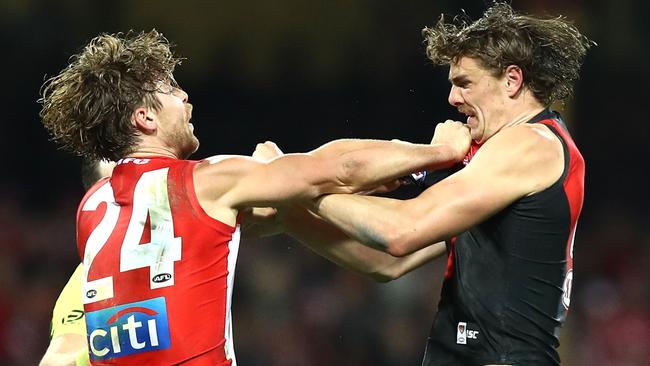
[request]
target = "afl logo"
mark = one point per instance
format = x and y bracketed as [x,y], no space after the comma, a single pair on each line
[163,277]
[91,293]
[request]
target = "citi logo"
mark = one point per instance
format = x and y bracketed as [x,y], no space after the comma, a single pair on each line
[128,329]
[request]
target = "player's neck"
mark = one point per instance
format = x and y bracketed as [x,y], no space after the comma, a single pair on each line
[522,111]
[148,151]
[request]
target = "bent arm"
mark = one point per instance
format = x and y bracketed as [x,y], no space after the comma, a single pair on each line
[506,168]
[332,244]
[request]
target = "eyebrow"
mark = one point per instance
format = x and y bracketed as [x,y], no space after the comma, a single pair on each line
[458,79]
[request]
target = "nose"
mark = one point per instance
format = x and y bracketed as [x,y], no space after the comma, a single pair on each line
[183,95]
[455,98]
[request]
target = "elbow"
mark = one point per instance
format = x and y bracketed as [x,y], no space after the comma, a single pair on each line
[398,250]
[401,244]
[391,239]
[385,275]
[381,277]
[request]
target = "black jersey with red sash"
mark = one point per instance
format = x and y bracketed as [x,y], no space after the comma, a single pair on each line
[508,282]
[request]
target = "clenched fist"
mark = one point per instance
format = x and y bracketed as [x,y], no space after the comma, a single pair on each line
[454,134]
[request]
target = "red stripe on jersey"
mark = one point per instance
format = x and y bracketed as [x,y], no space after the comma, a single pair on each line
[473,148]
[574,183]
[451,257]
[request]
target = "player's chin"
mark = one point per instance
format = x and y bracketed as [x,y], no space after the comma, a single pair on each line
[195,144]
[476,135]
[191,147]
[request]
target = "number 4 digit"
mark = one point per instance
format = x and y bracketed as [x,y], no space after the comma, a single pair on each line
[151,199]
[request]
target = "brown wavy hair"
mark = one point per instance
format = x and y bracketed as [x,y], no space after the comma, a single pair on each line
[87,107]
[549,51]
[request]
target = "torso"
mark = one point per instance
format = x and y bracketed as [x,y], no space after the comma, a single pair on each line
[507,286]
[159,269]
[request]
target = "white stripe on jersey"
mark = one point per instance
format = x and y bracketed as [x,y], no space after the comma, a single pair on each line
[233,250]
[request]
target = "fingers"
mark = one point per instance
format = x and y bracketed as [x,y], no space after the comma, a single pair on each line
[446,125]
[454,134]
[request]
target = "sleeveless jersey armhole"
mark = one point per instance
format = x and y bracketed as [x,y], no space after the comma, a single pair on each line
[188,177]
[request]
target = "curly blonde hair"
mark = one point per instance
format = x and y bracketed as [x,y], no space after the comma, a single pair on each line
[87,107]
[549,51]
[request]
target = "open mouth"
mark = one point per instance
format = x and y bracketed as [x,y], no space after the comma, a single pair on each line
[471,120]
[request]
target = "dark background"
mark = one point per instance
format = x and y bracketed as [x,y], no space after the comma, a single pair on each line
[301,73]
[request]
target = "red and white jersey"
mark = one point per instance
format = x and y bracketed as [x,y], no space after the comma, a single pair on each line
[158,271]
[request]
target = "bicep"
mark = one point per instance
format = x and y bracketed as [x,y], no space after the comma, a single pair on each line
[461,201]
[243,182]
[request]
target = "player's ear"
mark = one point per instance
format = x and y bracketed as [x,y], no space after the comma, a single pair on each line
[513,79]
[143,120]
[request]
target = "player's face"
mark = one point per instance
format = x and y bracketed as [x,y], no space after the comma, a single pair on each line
[174,118]
[478,95]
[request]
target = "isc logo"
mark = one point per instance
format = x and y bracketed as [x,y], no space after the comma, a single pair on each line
[128,329]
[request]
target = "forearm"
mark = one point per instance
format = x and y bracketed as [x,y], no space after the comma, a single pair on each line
[376,222]
[332,244]
[369,162]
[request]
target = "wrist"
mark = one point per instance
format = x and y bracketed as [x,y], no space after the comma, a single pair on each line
[314,204]
[447,154]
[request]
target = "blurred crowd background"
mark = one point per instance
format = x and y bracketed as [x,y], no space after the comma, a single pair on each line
[300,73]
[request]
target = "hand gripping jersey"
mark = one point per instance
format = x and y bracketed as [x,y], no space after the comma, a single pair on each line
[508,281]
[158,271]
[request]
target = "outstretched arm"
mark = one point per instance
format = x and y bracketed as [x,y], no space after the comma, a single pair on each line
[328,241]
[342,166]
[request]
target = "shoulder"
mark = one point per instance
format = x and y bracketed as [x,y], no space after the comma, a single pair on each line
[525,143]
[533,136]
[529,156]
[223,171]
[217,176]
